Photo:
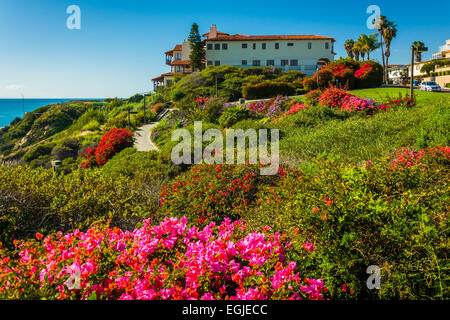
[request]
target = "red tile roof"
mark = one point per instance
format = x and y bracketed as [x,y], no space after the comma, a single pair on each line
[237,37]
[218,32]
[178,47]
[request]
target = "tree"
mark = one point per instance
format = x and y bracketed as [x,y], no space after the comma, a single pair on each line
[197,51]
[380,24]
[358,50]
[348,46]
[417,52]
[388,31]
[369,43]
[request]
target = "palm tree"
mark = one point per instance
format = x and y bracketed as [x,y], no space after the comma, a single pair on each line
[389,33]
[369,43]
[380,24]
[348,46]
[417,52]
[358,50]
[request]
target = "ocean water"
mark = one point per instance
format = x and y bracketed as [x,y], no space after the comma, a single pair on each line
[12,108]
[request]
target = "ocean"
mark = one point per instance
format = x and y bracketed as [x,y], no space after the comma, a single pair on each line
[12,108]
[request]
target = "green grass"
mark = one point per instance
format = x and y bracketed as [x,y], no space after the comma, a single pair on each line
[421,96]
[358,138]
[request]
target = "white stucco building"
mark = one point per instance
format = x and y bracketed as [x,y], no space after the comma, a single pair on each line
[287,52]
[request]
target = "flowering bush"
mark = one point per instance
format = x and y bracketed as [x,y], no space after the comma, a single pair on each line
[212,192]
[349,73]
[167,261]
[312,97]
[340,99]
[295,108]
[114,141]
[407,158]
[267,108]
[334,98]
[362,215]
[364,71]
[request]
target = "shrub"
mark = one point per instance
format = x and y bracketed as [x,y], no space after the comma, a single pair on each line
[62,153]
[209,109]
[38,151]
[233,115]
[114,141]
[136,98]
[390,212]
[310,84]
[167,261]
[267,89]
[158,107]
[312,97]
[177,95]
[268,108]
[37,200]
[370,75]
[212,192]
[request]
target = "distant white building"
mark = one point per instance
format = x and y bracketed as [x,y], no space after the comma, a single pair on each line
[287,52]
[396,72]
[444,51]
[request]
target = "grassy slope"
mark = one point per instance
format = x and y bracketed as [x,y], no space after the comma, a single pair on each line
[359,138]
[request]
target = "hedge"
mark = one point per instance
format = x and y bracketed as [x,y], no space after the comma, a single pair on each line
[267,89]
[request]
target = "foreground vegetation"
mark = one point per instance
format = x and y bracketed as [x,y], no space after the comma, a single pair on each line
[364,181]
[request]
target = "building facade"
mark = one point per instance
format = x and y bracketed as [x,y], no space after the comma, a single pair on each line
[288,52]
[178,60]
[396,73]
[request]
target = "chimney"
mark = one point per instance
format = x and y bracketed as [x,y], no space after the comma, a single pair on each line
[213,31]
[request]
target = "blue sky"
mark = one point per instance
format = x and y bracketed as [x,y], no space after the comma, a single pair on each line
[120,46]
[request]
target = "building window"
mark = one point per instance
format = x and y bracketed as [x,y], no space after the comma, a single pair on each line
[263,46]
[224,46]
[327,45]
[217,63]
[209,46]
[178,56]
[277,46]
[217,46]
[244,62]
[290,44]
[209,63]
[309,45]
[284,62]
[244,46]
[270,62]
[256,63]
[254,46]
[294,62]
